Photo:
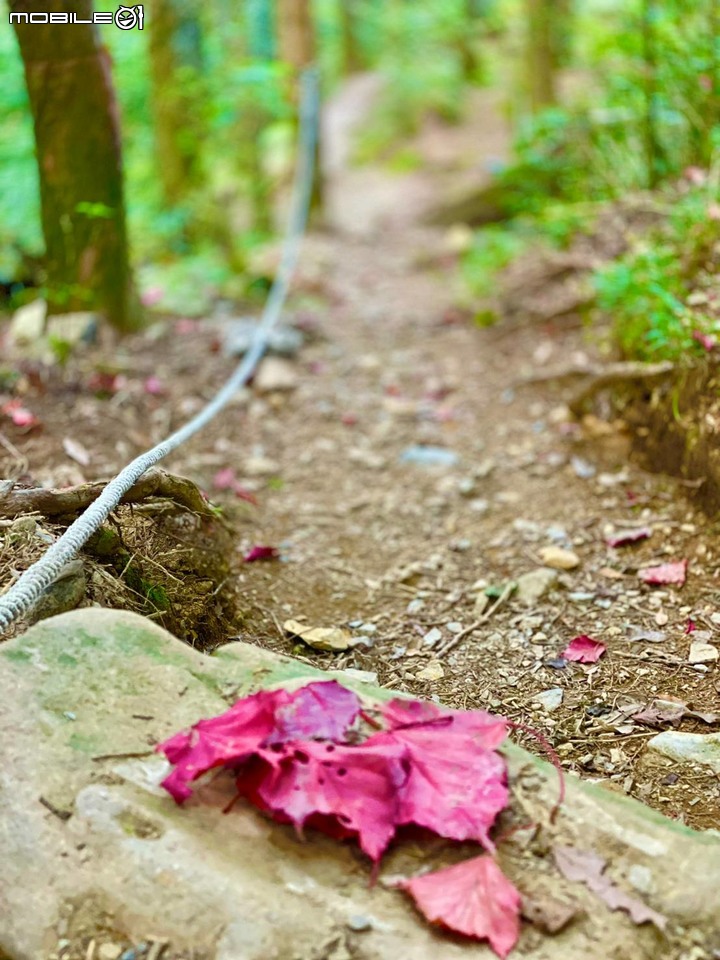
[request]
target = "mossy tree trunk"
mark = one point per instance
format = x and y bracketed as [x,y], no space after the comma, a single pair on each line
[542,52]
[296,36]
[77,140]
[653,146]
[176,72]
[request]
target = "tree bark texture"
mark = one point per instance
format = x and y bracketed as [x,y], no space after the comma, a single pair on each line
[77,140]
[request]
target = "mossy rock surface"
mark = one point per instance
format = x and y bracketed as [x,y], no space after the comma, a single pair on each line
[91,843]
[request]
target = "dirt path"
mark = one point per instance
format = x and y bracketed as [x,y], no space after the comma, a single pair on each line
[400,552]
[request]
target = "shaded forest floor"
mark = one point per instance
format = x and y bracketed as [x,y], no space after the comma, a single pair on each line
[399,552]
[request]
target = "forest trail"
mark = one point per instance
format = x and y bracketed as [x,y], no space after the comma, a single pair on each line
[401,552]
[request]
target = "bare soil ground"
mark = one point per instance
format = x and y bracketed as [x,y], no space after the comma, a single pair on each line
[399,552]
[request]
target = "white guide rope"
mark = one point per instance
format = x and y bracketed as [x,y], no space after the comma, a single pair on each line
[29,587]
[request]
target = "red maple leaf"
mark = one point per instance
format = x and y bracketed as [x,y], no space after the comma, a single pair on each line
[296,755]
[265,719]
[456,783]
[474,898]
[665,573]
[584,650]
[261,553]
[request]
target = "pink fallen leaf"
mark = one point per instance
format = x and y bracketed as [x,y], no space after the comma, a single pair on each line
[665,573]
[346,791]
[242,493]
[584,650]
[473,898]
[586,866]
[243,731]
[261,553]
[20,415]
[224,479]
[154,386]
[623,537]
[690,626]
[456,783]
[706,340]
[293,756]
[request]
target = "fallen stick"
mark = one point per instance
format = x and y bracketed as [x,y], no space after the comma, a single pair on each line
[56,503]
[459,637]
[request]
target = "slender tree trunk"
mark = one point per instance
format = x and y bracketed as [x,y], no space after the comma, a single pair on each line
[77,140]
[653,150]
[469,59]
[541,53]
[176,65]
[297,48]
[353,60]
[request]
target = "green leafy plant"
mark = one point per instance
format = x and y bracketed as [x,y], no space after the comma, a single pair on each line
[659,295]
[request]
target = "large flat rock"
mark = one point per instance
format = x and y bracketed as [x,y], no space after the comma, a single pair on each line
[91,847]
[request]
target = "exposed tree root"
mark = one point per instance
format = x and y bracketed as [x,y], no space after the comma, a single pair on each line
[155,483]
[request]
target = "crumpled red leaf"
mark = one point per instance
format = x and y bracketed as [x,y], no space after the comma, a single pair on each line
[298,756]
[261,553]
[431,767]
[624,537]
[473,898]
[584,650]
[456,782]
[665,573]
[264,719]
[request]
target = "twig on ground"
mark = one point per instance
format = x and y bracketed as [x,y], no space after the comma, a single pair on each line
[459,637]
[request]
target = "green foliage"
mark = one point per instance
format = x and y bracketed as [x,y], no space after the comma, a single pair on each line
[492,249]
[657,293]
[19,188]
[420,59]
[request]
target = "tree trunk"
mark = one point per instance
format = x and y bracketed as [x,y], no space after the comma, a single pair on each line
[77,140]
[176,65]
[297,48]
[353,60]
[653,149]
[541,53]
[469,59]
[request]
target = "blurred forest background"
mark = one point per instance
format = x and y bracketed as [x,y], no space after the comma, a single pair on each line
[608,101]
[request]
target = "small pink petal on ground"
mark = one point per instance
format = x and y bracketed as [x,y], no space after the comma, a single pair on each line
[665,574]
[473,898]
[690,626]
[20,415]
[706,340]
[584,650]
[623,537]
[261,553]
[224,479]
[154,386]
